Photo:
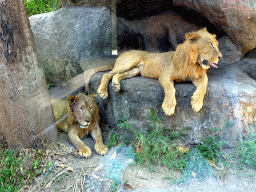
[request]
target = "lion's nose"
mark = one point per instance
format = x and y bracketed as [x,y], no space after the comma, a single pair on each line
[219,57]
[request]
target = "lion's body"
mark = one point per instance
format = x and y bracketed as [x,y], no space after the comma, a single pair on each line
[82,119]
[154,64]
[186,63]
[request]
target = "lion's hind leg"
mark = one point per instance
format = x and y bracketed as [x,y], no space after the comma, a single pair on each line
[124,72]
[119,77]
[103,88]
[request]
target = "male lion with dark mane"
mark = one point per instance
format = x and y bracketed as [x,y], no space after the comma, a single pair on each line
[82,119]
[190,61]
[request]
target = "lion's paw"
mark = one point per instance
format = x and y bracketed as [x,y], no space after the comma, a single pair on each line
[103,94]
[168,108]
[85,152]
[197,104]
[116,86]
[101,149]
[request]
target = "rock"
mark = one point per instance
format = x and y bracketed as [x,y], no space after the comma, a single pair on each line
[158,33]
[236,18]
[230,52]
[229,105]
[248,66]
[66,37]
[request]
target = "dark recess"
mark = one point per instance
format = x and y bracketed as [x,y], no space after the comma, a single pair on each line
[198,19]
[138,9]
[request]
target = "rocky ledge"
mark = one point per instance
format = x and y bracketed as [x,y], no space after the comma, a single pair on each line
[229,106]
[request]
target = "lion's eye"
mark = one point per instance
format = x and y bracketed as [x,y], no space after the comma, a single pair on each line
[80,110]
[91,109]
[211,44]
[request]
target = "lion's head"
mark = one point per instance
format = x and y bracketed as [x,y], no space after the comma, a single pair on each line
[204,48]
[83,109]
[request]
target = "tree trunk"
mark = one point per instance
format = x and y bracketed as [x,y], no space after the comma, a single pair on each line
[25,110]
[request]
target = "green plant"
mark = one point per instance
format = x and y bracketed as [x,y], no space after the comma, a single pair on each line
[246,152]
[210,149]
[228,124]
[159,145]
[122,123]
[41,6]
[114,186]
[13,174]
[113,139]
[213,130]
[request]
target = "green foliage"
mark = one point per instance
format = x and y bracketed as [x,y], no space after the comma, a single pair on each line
[213,130]
[210,149]
[228,124]
[159,145]
[113,139]
[12,171]
[122,123]
[246,152]
[41,6]
[114,186]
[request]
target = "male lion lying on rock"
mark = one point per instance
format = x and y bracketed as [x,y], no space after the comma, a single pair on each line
[83,118]
[190,61]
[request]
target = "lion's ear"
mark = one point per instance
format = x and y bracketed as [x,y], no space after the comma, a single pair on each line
[93,96]
[72,99]
[192,36]
[204,29]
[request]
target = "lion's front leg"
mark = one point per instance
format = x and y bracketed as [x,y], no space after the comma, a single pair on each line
[83,150]
[99,147]
[198,96]
[169,102]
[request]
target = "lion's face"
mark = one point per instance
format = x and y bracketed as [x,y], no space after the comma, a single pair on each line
[83,109]
[207,48]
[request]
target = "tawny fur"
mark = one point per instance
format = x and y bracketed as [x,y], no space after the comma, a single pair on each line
[186,63]
[82,111]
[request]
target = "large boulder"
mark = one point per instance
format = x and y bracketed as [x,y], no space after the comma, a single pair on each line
[229,105]
[66,37]
[236,18]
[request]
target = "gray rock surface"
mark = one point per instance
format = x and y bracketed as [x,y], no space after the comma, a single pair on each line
[230,98]
[229,50]
[66,37]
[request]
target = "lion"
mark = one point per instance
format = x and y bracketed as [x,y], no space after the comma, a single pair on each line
[82,119]
[190,61]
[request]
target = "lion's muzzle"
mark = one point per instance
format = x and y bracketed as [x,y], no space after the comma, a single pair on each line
[85,125]
[205,62]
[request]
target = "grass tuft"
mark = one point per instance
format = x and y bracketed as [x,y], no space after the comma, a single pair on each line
[246,152]
[18,168]
[113,139]
[13,174]
[210,149]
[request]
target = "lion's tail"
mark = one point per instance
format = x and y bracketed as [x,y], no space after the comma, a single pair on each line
[88,75]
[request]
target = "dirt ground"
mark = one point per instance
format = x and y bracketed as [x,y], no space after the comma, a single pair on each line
[117,171]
